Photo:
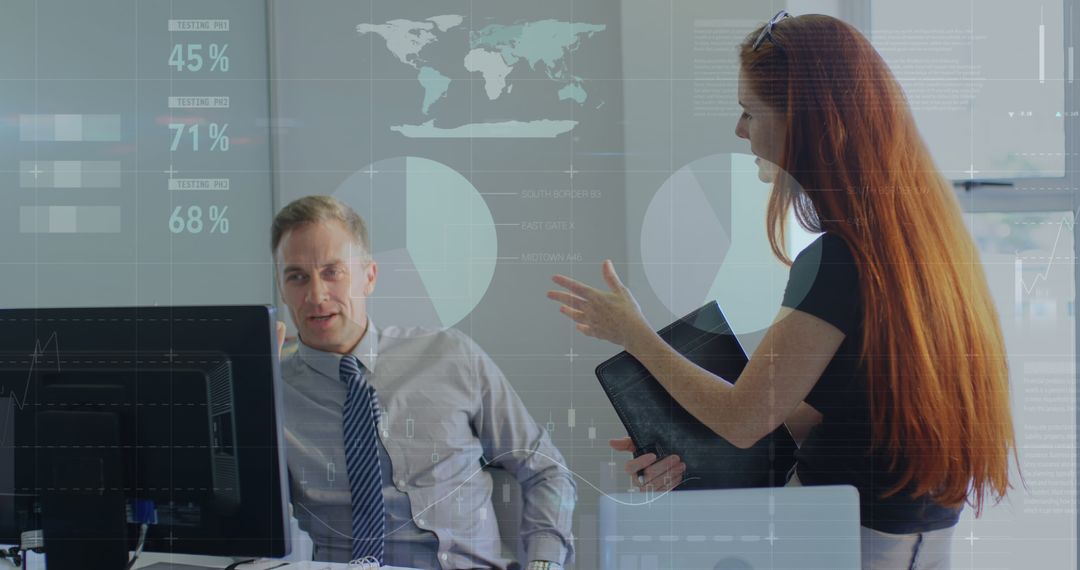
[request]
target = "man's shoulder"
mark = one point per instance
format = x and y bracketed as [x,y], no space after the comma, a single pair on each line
[292,366]
[426,340]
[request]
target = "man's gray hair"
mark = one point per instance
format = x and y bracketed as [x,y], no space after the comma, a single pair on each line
[311,209]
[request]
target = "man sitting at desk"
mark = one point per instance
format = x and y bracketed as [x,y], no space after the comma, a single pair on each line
[387,428]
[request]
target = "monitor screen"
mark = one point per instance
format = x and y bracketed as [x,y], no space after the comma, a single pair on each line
[193,394]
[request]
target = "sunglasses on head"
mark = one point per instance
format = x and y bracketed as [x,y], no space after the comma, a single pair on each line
[766,32]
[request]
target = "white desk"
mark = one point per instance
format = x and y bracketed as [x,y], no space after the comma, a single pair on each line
[148,559]
[299,559]
[37,562]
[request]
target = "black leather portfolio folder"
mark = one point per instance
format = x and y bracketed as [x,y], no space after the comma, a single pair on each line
[658,424]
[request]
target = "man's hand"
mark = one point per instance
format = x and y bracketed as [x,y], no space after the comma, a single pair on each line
[543,565]
[280,337]
[659,476]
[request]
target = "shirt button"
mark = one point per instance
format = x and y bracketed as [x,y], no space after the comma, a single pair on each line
[420,522]
[443,556]
[401,483]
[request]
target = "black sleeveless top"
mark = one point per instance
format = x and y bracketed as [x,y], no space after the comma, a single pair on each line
[824,282]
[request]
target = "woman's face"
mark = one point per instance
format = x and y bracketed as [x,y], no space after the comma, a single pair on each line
[764,127]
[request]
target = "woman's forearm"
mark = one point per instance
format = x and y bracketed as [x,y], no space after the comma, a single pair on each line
[706,396]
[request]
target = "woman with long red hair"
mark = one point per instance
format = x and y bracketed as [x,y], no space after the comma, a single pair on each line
[886,360]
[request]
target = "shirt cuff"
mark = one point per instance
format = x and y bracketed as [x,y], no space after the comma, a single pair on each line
[546,546]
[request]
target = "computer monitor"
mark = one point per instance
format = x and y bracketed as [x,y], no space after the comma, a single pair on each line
[114,416]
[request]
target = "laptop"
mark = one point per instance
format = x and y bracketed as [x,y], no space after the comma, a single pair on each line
[782,528]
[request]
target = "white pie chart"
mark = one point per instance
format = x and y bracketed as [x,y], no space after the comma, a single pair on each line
[704,238]
[432,236]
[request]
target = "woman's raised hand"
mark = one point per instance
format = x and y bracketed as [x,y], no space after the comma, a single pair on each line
[610,315]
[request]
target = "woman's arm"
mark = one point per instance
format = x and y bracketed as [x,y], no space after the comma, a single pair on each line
[780,374]
[782,371]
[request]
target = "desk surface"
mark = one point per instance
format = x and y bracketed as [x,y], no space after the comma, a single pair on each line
[301,550]
[148,559]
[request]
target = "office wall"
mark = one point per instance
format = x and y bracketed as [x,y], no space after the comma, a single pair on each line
[656,111]
[619,145]
[477,185]
[104,204]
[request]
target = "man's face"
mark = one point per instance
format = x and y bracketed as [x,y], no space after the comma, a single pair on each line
[325,278]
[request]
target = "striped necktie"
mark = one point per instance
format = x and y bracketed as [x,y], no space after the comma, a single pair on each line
[359,419]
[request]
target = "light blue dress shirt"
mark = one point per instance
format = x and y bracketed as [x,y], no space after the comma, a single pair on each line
[445,405]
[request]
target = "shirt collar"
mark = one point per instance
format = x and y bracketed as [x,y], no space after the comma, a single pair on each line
[329,363]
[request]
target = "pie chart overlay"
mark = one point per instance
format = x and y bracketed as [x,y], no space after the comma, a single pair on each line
[704,238]
[432,236]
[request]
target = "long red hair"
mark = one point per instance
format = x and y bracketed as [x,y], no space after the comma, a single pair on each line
[933,349]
